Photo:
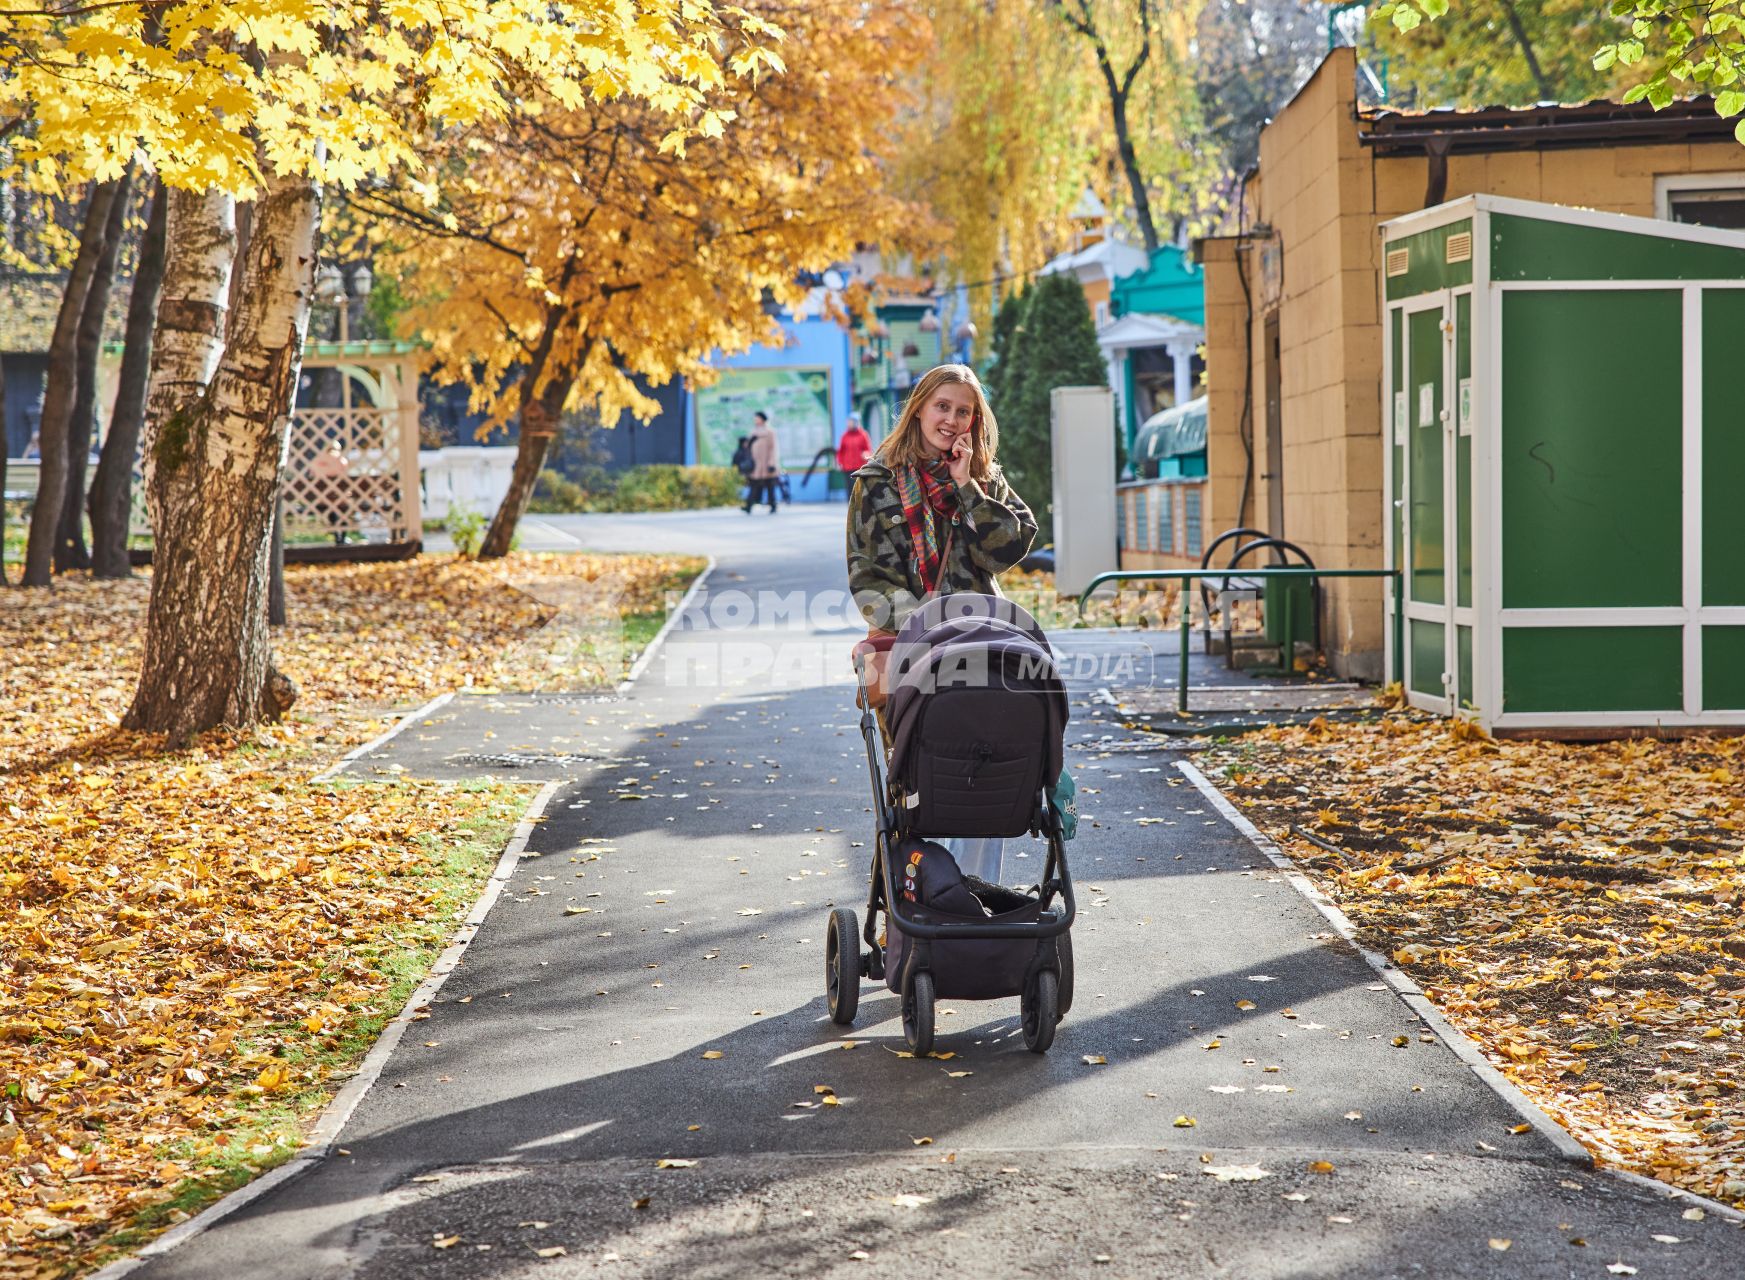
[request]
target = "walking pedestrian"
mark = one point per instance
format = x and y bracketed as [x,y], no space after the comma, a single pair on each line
[854,448]
[766,467]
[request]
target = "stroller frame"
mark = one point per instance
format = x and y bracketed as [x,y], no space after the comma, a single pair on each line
[1048,981]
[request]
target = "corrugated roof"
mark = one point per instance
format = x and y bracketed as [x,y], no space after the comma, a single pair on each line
[1598,123]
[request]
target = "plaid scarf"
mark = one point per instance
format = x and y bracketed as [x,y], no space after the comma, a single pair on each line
[929,504]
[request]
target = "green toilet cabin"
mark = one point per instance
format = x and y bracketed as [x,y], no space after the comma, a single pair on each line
[1564,399]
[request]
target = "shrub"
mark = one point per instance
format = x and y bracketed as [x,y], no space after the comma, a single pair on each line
[665,487]
[467,528]
[656,487]
[555,495]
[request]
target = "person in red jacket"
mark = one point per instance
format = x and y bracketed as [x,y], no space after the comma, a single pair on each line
[854,448]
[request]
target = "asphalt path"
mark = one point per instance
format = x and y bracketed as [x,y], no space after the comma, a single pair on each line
[650,988]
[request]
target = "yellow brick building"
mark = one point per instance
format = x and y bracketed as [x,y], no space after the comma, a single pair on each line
[1293,311]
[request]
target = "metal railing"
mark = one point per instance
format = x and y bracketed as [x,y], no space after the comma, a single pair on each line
[1185,576]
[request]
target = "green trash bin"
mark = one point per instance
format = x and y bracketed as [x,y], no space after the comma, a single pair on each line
[1292,596]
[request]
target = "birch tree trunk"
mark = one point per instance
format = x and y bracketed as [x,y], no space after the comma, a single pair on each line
[70,552]
[111,500]
[57,400]
[215,469]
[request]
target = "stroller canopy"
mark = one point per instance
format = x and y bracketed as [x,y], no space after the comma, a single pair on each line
[956,640]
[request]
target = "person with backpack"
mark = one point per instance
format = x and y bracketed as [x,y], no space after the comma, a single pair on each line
[743,463]
[765,473]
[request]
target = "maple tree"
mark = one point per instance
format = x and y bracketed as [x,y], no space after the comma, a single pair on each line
[250,99]
[576,247]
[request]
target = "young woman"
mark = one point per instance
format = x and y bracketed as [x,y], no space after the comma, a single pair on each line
[931,512]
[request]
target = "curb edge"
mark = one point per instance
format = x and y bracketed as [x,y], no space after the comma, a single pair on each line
[319,1143]
[1463,1046]
[646,657]
[382,739]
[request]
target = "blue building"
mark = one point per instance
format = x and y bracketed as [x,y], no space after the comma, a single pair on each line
[802,384]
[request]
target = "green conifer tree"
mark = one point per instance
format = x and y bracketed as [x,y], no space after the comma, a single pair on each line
[1006,320]
[1054,344]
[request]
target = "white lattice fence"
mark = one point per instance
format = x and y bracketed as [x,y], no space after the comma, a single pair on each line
[368,499]
[367,496]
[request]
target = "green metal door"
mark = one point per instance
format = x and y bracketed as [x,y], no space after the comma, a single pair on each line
[1427,507]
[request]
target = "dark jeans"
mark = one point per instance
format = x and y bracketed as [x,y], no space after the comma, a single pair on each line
[760,491]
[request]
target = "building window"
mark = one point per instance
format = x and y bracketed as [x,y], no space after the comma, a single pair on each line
[1102,314]
[1706,199]
[1191,518]
[1165,519]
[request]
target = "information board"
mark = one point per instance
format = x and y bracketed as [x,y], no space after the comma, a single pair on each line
[797,400]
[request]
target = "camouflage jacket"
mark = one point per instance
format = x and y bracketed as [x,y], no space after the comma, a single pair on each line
[995,535]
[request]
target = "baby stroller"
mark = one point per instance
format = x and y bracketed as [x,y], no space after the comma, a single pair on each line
[976,712]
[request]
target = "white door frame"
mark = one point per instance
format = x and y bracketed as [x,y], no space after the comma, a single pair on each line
[1442,300]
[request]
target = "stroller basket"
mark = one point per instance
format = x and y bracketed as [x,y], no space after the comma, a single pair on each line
[970,968]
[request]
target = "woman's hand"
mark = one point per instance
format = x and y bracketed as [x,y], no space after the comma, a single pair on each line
[958,459]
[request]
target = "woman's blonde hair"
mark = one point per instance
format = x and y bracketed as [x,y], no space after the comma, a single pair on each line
[905,445]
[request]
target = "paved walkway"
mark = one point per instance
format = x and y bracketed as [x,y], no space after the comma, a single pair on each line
[674,906]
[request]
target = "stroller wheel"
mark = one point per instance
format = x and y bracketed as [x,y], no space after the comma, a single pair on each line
[1064,948]
[1041,1011]
[842,966]
[918,1014]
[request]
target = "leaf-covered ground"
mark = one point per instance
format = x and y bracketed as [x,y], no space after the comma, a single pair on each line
[195,946]
[1575,908]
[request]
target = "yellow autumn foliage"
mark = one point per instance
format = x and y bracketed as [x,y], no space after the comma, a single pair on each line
[1574,908]
[339,90]
[187,936]
[578,245]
